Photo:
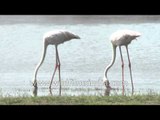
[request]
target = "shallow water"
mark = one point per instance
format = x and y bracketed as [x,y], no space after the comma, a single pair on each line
[82,60]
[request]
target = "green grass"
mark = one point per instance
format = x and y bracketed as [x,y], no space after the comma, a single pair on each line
[148,99]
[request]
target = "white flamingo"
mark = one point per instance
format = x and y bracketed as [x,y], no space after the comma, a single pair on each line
[54,38]
[120,38]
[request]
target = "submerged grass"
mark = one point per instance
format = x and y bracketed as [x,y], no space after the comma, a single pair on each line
[149,99]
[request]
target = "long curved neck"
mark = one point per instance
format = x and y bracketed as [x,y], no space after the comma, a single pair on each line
[111,63]
[41,60]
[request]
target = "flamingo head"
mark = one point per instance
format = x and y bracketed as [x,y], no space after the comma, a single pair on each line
[35,84]
[106,83]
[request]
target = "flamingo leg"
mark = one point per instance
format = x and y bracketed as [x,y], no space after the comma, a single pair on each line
[130,69]
[59,64]
[50,92]
[122,70]
[56,65]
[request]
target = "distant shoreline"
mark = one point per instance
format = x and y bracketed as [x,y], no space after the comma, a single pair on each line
[79,19]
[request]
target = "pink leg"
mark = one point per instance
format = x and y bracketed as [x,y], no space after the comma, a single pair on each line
[130,70]
[53,75]
[59,64]
[122,70]
[54,71]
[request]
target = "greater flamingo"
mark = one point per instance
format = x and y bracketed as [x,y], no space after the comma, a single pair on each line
[120,38]
[55,37]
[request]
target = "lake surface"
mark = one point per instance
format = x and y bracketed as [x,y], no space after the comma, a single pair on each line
[82,60]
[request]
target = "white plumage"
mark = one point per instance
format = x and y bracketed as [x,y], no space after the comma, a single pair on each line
[123,37]
[120,38]
[55,37]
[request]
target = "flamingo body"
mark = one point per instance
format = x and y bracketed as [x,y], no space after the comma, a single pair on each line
[58,37]
[123,37]
[55,37]
[120,38]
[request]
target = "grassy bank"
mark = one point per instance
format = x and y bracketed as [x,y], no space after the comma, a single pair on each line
[83,100]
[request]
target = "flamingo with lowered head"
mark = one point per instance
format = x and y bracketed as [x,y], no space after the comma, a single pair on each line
[118,39]
[55,37]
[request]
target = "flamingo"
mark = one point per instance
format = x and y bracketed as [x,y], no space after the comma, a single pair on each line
[55,37]
[120,38]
